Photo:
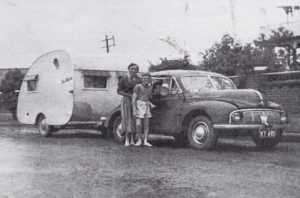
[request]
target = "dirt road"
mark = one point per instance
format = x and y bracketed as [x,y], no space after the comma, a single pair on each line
[83,164]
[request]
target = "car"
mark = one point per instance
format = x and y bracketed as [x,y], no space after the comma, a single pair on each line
[197,107]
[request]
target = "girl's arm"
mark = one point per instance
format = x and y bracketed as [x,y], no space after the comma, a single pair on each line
[152,105]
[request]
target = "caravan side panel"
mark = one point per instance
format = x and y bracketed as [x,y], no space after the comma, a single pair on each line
[95,94]
[47,89]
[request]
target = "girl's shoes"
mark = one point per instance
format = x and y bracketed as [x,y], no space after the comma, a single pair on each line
[147,144]
[138,143]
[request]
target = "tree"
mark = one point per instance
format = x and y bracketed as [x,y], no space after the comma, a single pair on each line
[173,64]
[230,58]
[234,59]
[268,44]
[11,82]
[275,37]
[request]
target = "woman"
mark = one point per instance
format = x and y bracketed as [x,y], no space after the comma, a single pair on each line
[125,88]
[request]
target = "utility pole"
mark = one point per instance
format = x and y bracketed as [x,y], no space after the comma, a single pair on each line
[264,28]
[232,15]
[107,43]
[289,11]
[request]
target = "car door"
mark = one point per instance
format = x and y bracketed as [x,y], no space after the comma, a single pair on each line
[164,115]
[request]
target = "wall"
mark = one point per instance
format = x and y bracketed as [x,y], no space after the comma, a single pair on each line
[282,88]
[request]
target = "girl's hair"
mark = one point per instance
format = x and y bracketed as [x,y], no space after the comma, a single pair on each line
[132,65]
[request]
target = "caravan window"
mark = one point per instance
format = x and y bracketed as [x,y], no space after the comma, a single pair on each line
[31,81]
[31,85]
[91,81]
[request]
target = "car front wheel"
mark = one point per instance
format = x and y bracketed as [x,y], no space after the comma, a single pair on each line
[201,134]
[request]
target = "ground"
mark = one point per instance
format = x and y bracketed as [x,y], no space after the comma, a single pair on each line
[81,163]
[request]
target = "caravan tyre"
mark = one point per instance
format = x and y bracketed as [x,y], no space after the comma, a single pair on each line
[44,129]
[117,130]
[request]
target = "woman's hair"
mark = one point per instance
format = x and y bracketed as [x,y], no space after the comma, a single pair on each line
[132,65]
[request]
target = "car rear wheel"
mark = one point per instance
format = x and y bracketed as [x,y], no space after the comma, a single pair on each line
[266,143]
[44,129]
[201,134]
[119,135]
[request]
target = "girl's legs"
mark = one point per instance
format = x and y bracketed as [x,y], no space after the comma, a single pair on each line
[146,132]
[139,131]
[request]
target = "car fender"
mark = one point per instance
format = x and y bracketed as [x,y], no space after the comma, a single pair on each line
[112,115]
[217,111]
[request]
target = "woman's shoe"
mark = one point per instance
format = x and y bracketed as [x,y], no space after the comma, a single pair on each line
[126,143]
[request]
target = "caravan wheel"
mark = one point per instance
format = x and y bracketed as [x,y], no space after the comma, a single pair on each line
[44,129]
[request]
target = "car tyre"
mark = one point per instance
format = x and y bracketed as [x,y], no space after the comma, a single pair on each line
[201,134]
[266,143]
[119,135]
[103,130]
[44,129]
[180,139]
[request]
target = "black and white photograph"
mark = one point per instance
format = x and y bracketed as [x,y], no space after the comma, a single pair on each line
[150,99]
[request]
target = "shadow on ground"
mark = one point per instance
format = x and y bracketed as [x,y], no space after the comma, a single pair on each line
[77,134]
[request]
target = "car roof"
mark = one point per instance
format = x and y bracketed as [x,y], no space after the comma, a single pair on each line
[184,73]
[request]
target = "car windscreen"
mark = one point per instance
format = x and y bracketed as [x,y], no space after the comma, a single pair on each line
[203,83]
[197,83]
[222,83]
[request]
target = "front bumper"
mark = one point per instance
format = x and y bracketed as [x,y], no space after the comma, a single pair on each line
[246,126]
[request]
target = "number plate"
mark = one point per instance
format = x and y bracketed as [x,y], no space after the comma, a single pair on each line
[267,133]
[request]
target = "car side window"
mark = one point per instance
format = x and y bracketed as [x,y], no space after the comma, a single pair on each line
[174,87]
[161,86]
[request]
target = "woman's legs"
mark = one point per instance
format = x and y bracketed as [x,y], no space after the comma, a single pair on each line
[127,139]
[132,139]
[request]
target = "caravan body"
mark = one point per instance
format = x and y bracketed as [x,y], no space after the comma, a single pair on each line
[57,93]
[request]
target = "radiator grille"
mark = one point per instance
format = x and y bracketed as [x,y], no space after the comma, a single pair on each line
[253,117]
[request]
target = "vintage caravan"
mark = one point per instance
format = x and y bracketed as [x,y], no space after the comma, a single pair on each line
[55,94]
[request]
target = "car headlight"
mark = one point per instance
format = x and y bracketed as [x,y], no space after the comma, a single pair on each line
[236,117]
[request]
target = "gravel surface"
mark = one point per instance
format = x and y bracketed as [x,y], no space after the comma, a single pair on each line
[80,163]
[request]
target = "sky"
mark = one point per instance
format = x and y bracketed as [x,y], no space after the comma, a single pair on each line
[144,31]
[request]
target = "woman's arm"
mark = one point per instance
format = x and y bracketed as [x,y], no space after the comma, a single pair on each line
[124,94]
[121,87]
[134,106]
